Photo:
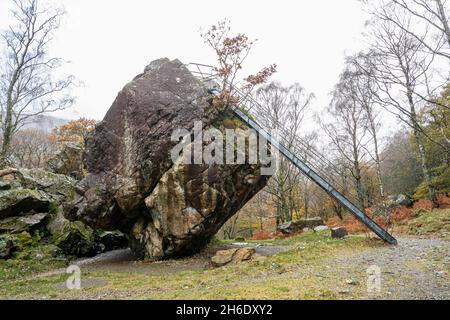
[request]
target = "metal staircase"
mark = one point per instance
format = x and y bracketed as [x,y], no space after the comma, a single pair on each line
[256,118]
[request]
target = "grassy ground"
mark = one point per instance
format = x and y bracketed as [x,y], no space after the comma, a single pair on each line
[294,274]
[434,223]
[30,261]
[314,266]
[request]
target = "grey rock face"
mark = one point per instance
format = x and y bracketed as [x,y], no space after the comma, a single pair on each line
[32,191]
[31,202]
[22,202]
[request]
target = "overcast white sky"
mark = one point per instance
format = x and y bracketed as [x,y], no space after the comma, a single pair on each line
[109,42]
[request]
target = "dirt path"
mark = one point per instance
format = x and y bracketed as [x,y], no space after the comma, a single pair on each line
[124,261]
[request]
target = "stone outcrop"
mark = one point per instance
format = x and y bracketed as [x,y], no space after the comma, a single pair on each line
[32,192]
[31,204]
[167,208]
[68,161]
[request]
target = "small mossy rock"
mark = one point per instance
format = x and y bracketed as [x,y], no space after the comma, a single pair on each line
[17,202]
[68,161]
[4,186]
[24,240]
[73,238]
[8,245]
[110,240]
[42,253]
[20,224]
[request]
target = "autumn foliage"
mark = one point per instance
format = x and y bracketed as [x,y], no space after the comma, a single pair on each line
[262,235]
[231,53]
[397,215]
[74,131]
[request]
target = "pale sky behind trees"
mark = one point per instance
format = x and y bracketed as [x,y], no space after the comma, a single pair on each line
[109,42]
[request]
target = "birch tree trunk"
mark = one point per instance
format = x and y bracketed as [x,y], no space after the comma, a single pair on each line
[422,153]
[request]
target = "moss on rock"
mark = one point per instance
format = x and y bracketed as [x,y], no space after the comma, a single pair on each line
[73,238]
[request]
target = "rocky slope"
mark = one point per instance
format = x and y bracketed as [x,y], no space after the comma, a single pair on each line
[31,215]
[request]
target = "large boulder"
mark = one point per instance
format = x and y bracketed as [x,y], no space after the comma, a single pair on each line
[339,233]
[20,224]
[168,208]
[8,246]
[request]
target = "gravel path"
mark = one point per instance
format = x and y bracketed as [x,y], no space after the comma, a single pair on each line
[415,269]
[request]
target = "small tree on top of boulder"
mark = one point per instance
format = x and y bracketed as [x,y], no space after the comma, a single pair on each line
[232,52]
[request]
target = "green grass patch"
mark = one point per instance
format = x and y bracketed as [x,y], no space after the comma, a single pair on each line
[435,223]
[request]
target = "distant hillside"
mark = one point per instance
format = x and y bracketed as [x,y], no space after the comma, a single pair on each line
[45,122]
